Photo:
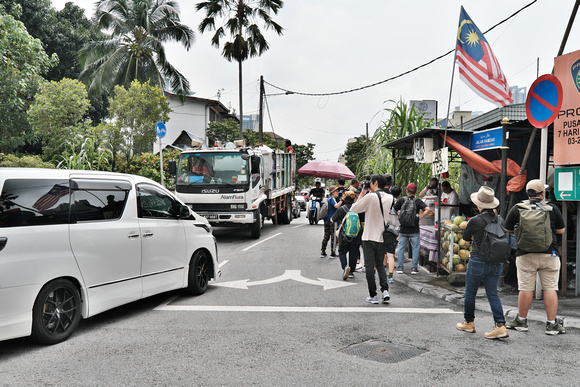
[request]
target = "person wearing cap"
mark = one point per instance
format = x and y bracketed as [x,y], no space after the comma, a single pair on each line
[410,233]
[531,263]
[328,226]
[479,271]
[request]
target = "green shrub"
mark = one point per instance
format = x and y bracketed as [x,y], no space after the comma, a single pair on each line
[27,161]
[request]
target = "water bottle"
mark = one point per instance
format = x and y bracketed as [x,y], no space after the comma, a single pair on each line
[553,255]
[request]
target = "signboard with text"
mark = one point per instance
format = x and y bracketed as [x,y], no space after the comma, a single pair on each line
[423,150]
[426,107]
[567,124]
[440,161]
[486,139]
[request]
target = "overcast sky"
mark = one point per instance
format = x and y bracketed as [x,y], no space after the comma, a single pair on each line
[334,45]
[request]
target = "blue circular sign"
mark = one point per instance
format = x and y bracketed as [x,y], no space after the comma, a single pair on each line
[160,129]
[544,101]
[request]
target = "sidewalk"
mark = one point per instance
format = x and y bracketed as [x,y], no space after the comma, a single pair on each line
[429,283]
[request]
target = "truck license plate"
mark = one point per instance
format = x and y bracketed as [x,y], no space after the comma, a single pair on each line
[210,216]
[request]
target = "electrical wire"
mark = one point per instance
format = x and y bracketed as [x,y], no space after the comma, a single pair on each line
[287,91]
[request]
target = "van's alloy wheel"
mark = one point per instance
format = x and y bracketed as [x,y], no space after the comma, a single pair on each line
[198,273]
[56,312]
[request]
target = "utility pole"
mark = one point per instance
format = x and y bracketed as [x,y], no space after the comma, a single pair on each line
[261,119]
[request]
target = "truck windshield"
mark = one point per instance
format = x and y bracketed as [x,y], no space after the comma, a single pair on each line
[212,168]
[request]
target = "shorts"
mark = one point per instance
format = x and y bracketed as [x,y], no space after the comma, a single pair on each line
[543,264]
[390,243]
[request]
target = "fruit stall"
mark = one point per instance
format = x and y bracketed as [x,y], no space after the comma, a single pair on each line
[454,250]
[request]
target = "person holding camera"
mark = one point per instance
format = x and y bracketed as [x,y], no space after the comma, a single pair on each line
[372,236]
[431,188]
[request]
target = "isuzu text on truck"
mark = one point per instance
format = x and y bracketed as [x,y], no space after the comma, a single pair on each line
[237,186]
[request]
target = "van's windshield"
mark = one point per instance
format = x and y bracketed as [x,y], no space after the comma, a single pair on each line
[218,168]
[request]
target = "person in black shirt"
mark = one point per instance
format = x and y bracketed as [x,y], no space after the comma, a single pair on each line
[542,263]
[479,270]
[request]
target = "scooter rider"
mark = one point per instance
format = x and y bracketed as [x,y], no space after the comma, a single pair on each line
[316,193]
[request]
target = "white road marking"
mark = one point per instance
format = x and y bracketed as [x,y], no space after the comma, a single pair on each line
[223,263]
[300,225]
[262,241]
[288,275]
[301,309]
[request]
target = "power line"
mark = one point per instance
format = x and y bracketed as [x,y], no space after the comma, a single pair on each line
[286,91]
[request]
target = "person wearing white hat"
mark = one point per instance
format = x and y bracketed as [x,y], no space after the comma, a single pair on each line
[545,263]
[478,270]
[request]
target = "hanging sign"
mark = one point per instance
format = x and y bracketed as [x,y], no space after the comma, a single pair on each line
[423,150]
[440,161]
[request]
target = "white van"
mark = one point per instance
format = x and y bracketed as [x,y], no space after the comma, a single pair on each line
[77,243]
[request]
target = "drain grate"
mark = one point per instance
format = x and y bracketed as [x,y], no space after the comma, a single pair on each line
[383,352]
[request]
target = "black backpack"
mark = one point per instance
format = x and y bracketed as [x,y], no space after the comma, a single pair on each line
[495,246]
[408,213]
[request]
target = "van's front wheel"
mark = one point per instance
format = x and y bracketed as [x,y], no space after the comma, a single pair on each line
[56,312]
[198,278]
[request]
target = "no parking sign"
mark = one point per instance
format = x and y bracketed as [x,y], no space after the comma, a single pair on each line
[544,101]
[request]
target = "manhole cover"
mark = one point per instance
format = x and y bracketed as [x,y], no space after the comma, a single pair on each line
[383,352]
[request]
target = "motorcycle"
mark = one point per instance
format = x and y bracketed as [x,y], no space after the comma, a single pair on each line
[313,209]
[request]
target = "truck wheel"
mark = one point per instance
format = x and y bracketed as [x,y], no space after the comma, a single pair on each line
[286,213]
[256,227]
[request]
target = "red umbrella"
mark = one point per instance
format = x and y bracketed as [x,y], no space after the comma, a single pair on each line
[326,168]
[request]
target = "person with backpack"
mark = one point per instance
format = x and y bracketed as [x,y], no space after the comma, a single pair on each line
[410,210]
[372,236]
[485,262]
[536,223]
[349,235]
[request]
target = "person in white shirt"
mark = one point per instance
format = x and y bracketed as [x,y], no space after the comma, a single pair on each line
[372,236]
[449,195]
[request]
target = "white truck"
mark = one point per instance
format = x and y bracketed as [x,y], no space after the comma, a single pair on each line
[237,185]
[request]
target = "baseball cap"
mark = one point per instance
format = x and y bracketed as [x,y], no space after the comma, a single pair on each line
[536,185]
[412,187]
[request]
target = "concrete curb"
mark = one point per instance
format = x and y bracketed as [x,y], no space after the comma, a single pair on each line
[457,299]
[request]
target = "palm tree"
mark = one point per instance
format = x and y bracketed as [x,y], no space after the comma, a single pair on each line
[240,17]
[134,49]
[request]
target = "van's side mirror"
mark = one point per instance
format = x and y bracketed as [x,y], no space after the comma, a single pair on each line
[172,166]
[255,161]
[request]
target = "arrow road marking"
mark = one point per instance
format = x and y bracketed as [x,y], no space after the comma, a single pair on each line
[288,275]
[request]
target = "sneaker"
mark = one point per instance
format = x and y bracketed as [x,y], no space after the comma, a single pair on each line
[518,325]
[391,280]
[358,267]
[346,273]
[372,300]
[466,326]
[386,297]
[333,255]
[323,254]
[350,275]
[497,333]
[555,329]
[414,271]
[399,271]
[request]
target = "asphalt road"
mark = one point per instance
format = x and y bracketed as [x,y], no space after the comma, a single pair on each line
[280,315]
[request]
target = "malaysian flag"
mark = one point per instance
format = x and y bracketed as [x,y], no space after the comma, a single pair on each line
[478,67]
[50,198]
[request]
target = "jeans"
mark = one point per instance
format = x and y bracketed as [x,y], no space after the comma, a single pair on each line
[415,246]
[478,271]
[374,255]
[353,255]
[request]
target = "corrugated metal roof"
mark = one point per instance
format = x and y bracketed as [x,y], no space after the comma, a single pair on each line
[515,112]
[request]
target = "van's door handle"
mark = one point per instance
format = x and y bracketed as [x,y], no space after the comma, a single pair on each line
[3,241]
[147,234]
[133,235]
